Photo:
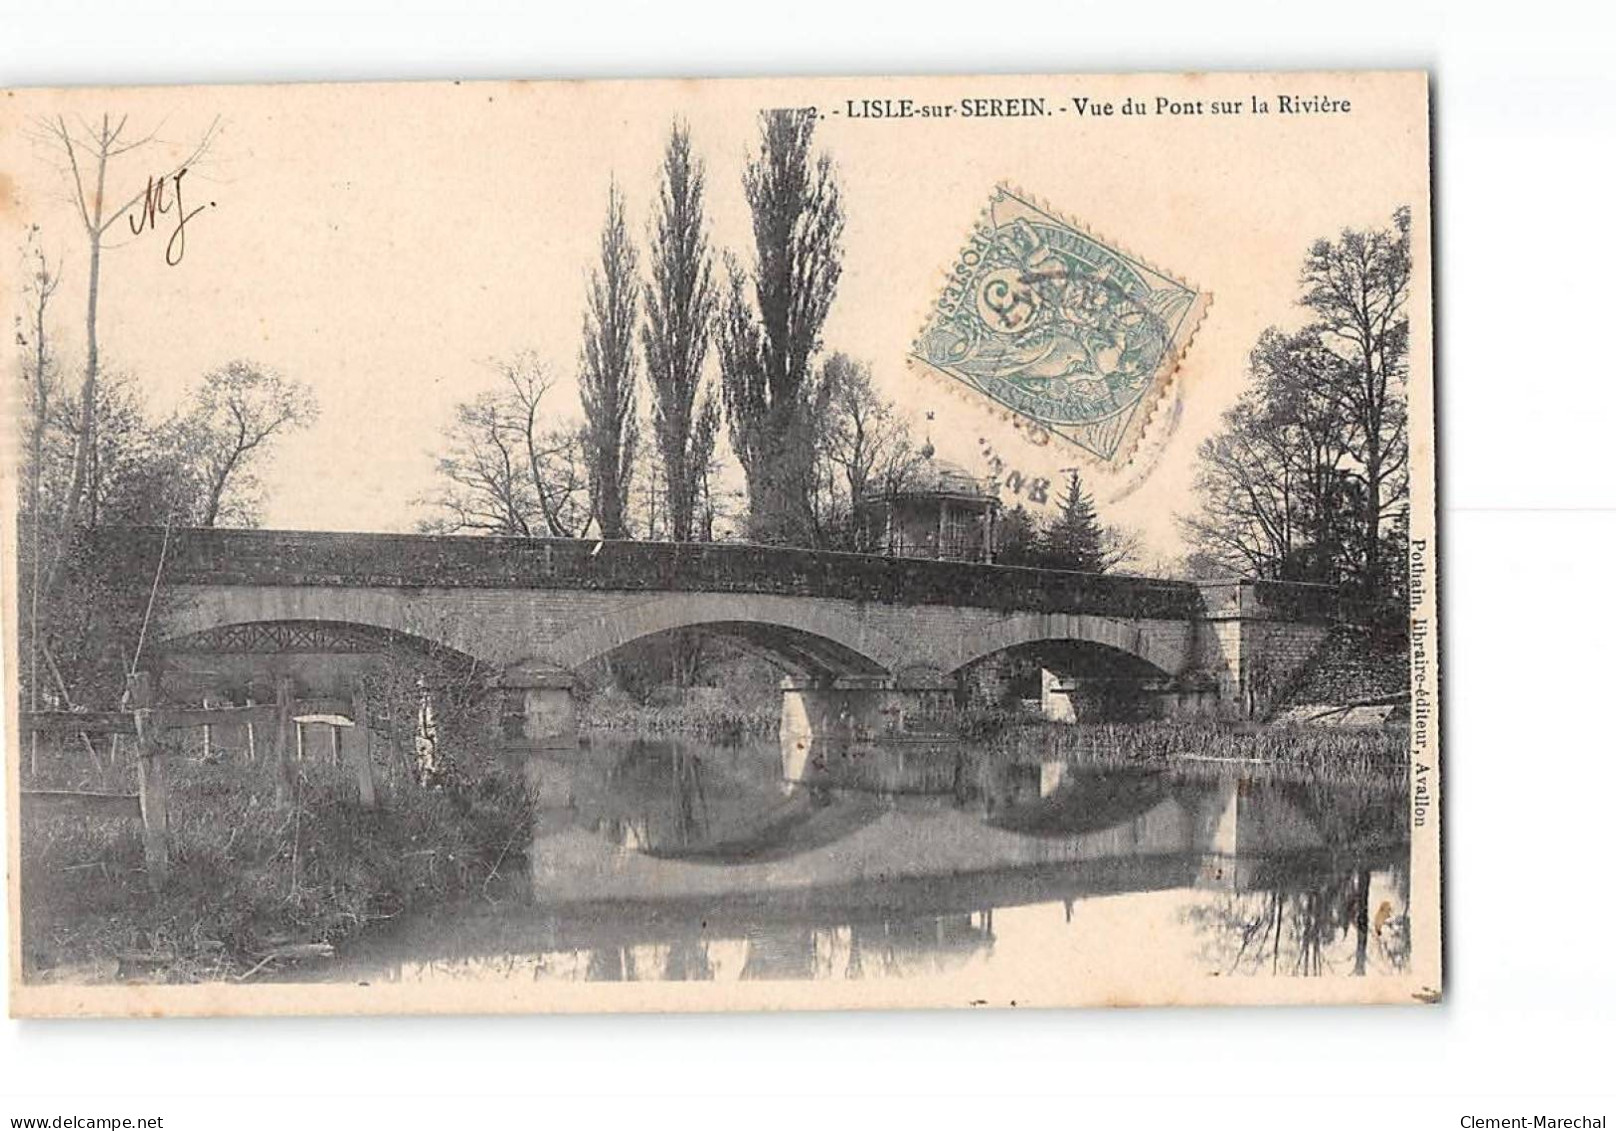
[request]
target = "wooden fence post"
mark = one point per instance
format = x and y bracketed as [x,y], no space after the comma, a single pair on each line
[207,733]
[153,787]
[357,745]
[283,740]
[252,737]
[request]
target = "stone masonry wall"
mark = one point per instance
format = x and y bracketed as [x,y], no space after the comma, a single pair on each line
[565,602]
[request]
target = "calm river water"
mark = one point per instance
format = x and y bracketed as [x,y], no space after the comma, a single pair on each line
[684,860]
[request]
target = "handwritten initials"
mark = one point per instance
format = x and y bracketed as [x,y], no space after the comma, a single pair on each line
[157,202]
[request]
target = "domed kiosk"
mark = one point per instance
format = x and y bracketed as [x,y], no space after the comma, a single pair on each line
[940,510]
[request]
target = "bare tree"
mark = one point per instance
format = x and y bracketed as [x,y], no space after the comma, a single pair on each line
[486,488]
[607,375]
[39,362]
[90,150]
[768,338]
[509,468]
[1272,482]
[679,308]
[233,420]
[140,472]
[865,447]
[555,456]
[1248,520]
[39,371]
[1358,285]
[1312,460]
[85,630]
[81,627]
[1122,551]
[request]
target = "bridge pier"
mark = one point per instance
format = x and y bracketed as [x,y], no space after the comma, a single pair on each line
[824,719]
[539,713]
[539,723]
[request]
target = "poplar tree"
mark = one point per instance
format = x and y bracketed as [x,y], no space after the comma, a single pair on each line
[608,371]
[772,323]
[679,307]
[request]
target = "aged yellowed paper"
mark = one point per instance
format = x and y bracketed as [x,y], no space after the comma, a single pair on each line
[732,544]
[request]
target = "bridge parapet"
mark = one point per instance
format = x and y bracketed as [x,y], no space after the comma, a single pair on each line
[1247,599]
[302,558]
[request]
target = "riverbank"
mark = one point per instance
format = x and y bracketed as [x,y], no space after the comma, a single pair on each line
[1338,752]
[1334,754]
[252,885]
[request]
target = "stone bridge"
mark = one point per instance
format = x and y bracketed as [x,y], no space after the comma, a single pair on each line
[861,639]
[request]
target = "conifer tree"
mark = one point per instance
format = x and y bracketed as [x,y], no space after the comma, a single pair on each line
[1074,540]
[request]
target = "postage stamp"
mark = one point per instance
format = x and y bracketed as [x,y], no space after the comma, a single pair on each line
[1075,337]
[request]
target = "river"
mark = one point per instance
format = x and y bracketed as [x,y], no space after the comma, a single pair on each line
[679,860]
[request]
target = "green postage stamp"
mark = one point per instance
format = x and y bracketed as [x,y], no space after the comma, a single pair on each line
[1075,337]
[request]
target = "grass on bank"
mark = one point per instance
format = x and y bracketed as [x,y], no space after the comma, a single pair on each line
[249,879]
[1332,754]
[710,713]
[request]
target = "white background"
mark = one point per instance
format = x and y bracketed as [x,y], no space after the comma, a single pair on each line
[1524,117]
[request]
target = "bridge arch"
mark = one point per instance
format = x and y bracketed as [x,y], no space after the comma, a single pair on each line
[324,637]
[324,657]
[810,637]
[200,610]
[1165,647]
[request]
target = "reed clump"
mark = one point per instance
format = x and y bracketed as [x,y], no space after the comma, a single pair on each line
[716,716]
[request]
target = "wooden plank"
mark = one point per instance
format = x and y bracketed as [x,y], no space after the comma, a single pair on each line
[332,720]
[71,802]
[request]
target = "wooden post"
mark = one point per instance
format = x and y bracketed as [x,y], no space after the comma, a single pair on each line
[153,788]
[252,738]
[357,745]
[207,733]
[283,740]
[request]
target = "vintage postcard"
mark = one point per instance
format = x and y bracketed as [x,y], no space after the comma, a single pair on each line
[707,545]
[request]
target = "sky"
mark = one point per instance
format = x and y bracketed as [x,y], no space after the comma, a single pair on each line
[383,244]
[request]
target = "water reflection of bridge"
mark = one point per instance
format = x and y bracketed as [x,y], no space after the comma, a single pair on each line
[855,885]
[1020,833]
